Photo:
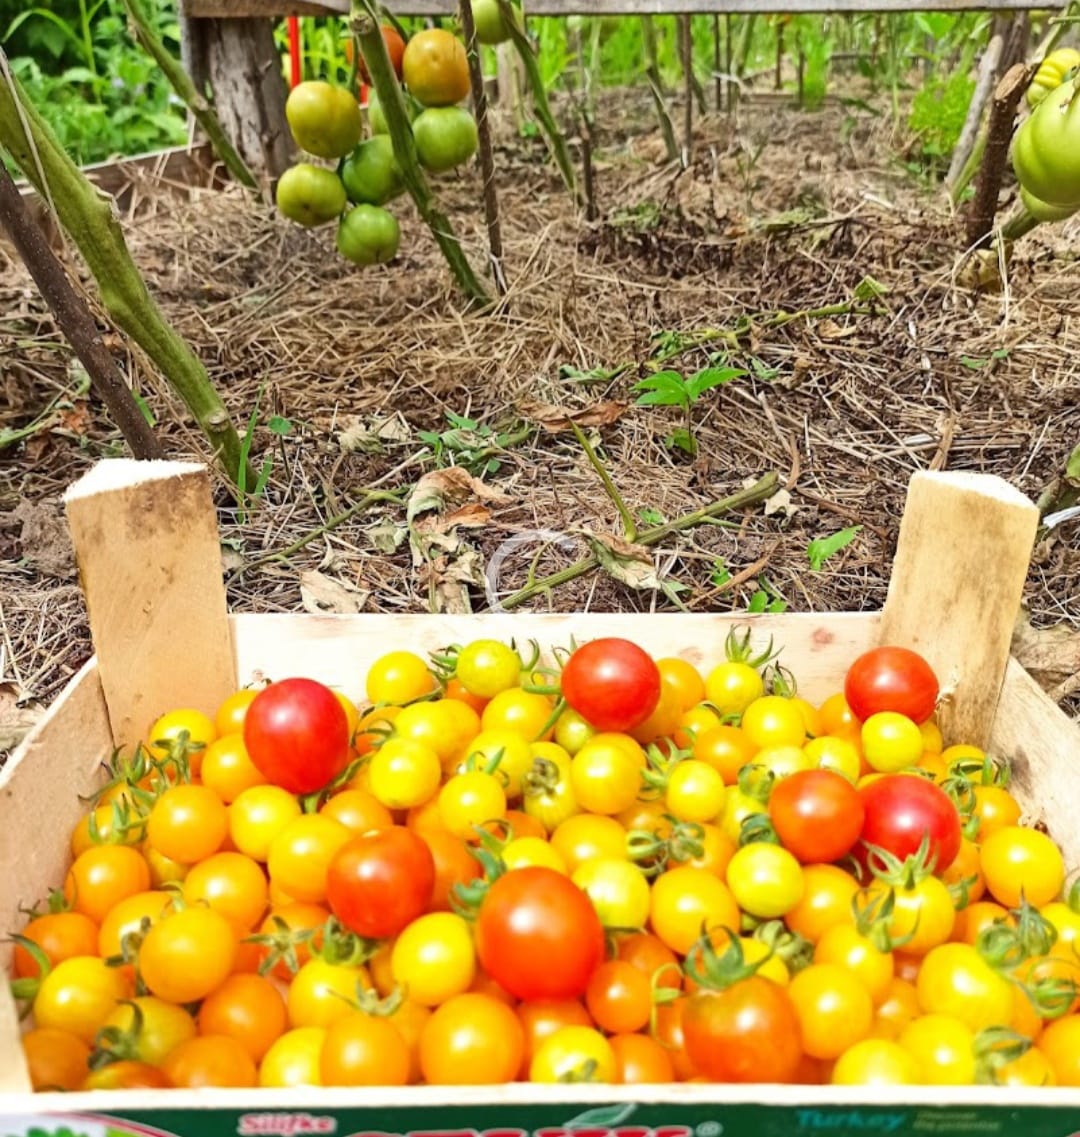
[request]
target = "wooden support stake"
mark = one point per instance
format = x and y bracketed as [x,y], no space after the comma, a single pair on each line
[687,54]
[147,546]
[969,135]
[487,160]
[957,582]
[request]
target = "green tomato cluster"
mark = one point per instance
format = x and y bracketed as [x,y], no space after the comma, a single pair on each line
[1046,155]
[326,122]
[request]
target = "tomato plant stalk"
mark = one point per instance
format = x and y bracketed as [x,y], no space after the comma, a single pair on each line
[74,320]
[88,218]
[364,24]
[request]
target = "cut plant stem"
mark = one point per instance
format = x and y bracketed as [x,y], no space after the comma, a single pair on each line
[74,320]
[541,106]
[627,518]
[767,320]
[761,490]
[370,498]
[652,75]
[88,218]
[185,89]
[487,161]
[364,24]
[1007,97]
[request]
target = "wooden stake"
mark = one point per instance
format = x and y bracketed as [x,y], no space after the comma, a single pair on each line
[957,582]
[716,62]
[687,54]
[74,320]
[969,135]
[146,543]
[487,160]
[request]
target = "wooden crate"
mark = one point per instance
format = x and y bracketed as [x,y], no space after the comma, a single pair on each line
[147,544]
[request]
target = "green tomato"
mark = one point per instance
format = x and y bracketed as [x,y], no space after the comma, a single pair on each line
[310,195]
[1046,149]
[1052,73]
[491,28]
[324,119]
[1043,212]
[368,235]
[445,137]
[371,173]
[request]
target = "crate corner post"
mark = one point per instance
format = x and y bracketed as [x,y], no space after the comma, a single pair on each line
[149,558]
[961,561]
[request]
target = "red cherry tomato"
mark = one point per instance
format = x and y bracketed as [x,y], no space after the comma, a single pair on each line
[612,683]
[891,679]
[901,811]
[817,814]
[297,735]
[538,935]
[381,881]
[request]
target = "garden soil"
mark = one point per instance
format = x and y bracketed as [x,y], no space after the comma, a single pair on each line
[798,247]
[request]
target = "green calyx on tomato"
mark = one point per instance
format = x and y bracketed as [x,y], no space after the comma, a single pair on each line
[873,914]
[796,951]
[995,1048]
[654,850]
[371,174]
[282,944]
[335,944]
[716,971]
[324,118]
[1046,149]
[900,873]
[368,235]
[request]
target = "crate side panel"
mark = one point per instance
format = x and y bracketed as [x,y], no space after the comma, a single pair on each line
[40,786]
[560,1111]
[59,760]
[338,650]
[1043,746]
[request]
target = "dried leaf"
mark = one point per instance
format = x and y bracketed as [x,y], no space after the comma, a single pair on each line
[556,419]
[371,435]
[16,720]
[452,486]
[627,563]
[387,537]
[449,578]
[1049,654]
[231,558]
[320,593]
[780,502]
[831,330]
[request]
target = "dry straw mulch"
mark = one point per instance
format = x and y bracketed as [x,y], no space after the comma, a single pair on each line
[845,407]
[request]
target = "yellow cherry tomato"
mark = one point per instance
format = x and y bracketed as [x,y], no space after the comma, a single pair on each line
[834,1009]
[433,959]
[831,752]
[584,836]
[1022,862]
[398,677]
[293,1059]
[732,686]
[876,1062]
[618,890]
[773,720]
[525,852]
[524,713]
[686,899]
[404,773]
[695,791]
[257,816]
[944,1047]
[891,742]
[574,1053]
[765,879]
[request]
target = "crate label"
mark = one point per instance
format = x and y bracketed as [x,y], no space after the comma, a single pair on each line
[552,1119]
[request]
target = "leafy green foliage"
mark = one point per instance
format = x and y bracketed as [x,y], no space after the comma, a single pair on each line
[673,389]
[937,115]
[821,548]
[470,443]
[100,93]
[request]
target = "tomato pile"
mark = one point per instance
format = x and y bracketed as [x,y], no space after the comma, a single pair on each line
[606,868]
[326,121]
[1046,148]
